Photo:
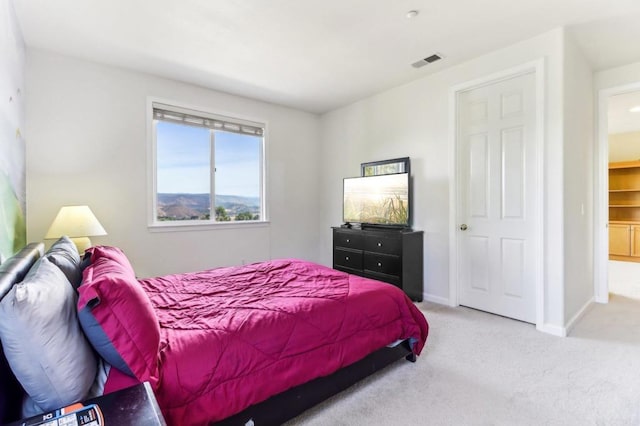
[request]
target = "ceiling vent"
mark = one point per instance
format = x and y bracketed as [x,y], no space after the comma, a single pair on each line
[428,60]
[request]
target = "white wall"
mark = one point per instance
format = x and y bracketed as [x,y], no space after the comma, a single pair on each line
[414,120]
[615,77]
[624,146]
[578,180]
[12,120]
[87,144]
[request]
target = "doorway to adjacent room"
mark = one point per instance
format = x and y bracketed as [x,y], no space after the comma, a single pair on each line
[622,123]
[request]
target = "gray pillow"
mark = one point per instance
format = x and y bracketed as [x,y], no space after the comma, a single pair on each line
[64,254]
[42,339]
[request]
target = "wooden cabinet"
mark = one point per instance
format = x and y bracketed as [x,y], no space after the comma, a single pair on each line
[634,238]
[624,211]
[624,241]
[619,239]
[392,256]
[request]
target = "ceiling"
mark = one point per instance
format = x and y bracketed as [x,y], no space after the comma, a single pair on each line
[315,55]
[620,119]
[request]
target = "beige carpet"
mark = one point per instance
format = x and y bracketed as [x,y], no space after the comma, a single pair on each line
[482,369]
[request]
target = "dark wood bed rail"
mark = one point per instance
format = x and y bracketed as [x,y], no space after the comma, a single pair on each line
[286,405]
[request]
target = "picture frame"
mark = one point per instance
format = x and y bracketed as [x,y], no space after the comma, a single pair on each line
[386,167]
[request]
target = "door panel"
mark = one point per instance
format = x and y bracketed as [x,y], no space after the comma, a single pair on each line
[513,262]
[635,240]
[513,168]
[478,175]
[479,269]
[511,104]
[619,239]
[497,187]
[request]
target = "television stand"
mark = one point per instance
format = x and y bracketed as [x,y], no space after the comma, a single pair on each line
[392,255]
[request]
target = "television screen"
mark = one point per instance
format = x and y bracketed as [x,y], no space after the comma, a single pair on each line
[379,200]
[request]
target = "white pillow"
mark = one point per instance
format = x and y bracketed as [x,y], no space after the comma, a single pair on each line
[42,339]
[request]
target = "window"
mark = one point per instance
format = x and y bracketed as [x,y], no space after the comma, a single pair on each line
[208,168]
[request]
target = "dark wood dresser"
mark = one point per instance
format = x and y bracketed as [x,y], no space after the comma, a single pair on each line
[392,256]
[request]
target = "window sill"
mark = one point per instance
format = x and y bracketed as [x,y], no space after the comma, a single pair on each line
[186,227]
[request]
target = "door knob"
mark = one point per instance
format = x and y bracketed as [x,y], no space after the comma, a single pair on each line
[463,227]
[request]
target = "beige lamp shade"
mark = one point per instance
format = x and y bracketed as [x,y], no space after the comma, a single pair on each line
[77,223]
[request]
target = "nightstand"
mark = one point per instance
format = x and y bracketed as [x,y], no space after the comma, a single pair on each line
[132,406]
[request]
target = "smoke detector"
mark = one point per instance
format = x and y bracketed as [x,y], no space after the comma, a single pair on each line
[428,60]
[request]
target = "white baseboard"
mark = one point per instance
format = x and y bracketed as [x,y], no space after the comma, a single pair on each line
[602,299]
[552,329]
[436,299]
[564,331]
[573,321]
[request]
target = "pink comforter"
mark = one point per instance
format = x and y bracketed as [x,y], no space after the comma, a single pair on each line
[232,337]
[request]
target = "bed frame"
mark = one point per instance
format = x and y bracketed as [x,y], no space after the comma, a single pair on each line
[274,411]
[291,403]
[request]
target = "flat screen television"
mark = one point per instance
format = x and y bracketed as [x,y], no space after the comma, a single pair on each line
[382,200]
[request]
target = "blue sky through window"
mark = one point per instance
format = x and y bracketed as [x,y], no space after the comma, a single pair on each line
[183,156]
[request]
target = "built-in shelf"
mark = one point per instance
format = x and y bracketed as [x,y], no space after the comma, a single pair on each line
[624,211]
[624,164]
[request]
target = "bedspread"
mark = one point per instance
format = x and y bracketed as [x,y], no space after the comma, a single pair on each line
[232,337]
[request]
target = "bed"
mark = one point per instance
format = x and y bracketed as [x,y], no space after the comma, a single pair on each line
[258,343]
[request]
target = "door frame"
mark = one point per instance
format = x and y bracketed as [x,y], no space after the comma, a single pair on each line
[537,67]
[601,192]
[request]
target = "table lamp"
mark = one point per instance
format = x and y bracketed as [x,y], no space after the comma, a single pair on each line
[78,223]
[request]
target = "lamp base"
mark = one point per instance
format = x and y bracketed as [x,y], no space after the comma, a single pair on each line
[82,243]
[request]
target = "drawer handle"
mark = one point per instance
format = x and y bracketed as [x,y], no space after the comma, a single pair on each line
[379,263]
[348,240]
[346,258]
[379,244]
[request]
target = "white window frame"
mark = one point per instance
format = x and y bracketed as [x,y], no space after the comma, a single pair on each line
[153,224]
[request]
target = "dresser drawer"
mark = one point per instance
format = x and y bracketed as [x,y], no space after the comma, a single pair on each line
[345,258]
[350,240]
[391,279]
[391,244]
[382,264]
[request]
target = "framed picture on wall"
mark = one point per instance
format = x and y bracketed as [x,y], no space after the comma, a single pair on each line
[386,167]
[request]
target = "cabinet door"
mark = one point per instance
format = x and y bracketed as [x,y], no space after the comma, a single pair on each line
[619,239]
[635,240]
